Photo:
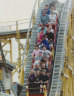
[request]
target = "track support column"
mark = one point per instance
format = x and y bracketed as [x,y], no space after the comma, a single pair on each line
[73,48]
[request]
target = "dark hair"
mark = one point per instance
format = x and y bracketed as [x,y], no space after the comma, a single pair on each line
[37,46]
[44,46]
[46,5]
[43,10]
[42,29]
[43,61]
[44,36]
[44,56]
[53,5]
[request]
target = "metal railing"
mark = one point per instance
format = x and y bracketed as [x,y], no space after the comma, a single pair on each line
[62,55]
[11,25]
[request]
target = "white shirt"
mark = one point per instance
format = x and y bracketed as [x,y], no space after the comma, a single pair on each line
[36,62]
[52,18]
[52,31]
[46,53]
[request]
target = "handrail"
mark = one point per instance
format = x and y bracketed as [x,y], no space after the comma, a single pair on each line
[16,20]
[28,33]
[18,24]
[65,33]
[63,52]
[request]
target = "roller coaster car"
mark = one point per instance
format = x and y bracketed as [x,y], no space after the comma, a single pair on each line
[41,94]
[36,91]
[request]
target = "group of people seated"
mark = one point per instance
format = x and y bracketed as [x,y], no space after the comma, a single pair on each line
[44,50]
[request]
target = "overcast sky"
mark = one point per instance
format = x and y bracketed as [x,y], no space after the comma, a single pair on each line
[16,9]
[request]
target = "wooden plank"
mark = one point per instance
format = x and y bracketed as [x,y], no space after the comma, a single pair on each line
[0,74]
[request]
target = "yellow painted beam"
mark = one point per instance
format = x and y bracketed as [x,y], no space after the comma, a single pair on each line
[56,94]
[10,41]
[19,50]
[21,45]
[70,83]
[27,91]
[16,70]
[5,41]
[67,78]
[45,90]
[33,21]
[0,57]
[0,74]
[73,48]
[6,51]
[65,86]
[21,78]
[8,91]
[4,44]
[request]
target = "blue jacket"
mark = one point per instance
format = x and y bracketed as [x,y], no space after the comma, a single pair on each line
[48,11]
[45,42]
[44,19]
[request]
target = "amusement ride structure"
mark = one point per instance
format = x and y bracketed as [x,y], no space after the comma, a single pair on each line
[62,75]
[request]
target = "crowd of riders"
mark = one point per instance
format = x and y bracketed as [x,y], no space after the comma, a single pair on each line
[43,54]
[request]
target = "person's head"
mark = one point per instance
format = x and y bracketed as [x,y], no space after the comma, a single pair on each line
[42,61]
[49,29]
[45,58]
[43,38]
[52,11]
[43,65]
[40,53]
[32,72]
[36,64]
[46,7]
[53,7]
[43,12]
[44,48]
[36,47]
[46,36]
[43,26]
[41,30]
[44,72]
[38,73]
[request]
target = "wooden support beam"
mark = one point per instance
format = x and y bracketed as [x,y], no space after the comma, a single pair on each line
[10,41]
[67,78]
[4,44]
[5,41]
[73,47]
